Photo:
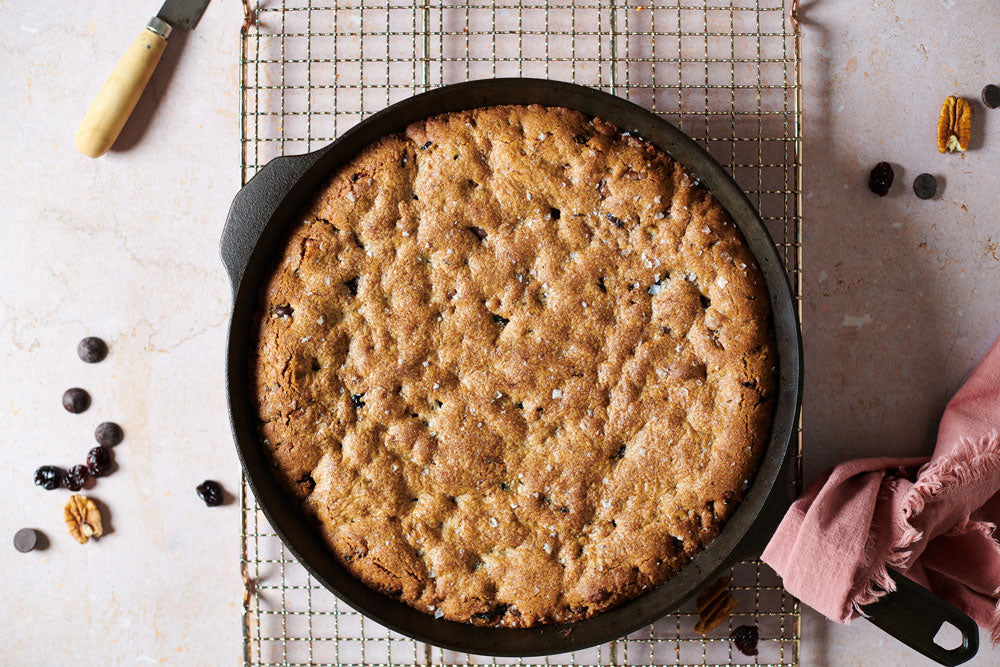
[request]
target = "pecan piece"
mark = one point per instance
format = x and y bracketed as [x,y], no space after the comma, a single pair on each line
[954,125]
[83,519]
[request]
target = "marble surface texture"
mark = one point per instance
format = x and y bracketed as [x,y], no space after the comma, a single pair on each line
[901,297]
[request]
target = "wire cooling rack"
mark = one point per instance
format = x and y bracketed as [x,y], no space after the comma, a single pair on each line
[724,71]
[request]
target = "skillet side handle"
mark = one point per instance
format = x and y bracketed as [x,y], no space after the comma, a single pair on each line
[913,615]
[255,205]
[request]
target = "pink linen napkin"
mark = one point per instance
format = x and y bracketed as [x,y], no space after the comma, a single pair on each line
[934,520]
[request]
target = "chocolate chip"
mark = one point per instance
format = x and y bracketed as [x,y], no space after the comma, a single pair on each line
[499,319]
[925,186]
[358,400]
[352,286]
[880,179]
[108,434]
[75,400]
[92,349]
[991,96]
[581,138]
[25,540]
[210,492]
[479,232]
[284,310]
[555,213]
[745,637]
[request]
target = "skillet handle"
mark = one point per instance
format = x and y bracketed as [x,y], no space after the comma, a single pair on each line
[913,615]
[255,205]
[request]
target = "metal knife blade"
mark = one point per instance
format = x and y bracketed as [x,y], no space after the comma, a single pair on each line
[182,13]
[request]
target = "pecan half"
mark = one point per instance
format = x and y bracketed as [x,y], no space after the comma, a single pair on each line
[714,606]
[83,519]
[954,125]
[716,615]
[719,588]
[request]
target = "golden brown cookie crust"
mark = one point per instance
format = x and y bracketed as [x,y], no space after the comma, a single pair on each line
[517,365]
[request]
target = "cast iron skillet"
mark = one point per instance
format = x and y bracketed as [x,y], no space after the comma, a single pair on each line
[256,229]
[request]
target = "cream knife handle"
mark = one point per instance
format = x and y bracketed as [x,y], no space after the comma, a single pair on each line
[120,93]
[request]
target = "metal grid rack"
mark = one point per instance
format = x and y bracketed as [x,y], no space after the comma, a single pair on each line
[727,72]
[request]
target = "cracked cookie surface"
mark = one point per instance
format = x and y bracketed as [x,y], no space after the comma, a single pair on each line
[517,365]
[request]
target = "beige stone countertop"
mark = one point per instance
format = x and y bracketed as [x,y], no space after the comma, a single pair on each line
[901,297]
